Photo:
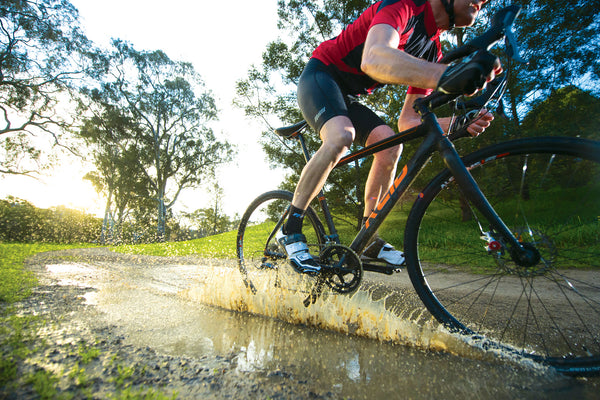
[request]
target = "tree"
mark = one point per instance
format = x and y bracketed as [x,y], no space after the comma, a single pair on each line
[568,111]
[560,47]
[111,139]
[157,113]
[211,221]
[40,48]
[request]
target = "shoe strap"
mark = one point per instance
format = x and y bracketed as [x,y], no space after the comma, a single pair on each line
[294,238]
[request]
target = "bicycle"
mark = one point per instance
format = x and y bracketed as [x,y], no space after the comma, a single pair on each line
[528,281]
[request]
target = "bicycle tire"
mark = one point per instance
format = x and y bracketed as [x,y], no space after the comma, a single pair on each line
[546,190]
[261,259]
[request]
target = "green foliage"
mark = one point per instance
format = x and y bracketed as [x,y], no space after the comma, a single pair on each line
[568,111]
[42,50]
[88,353]
[17,339]
[560,41]
[20,221]
[44,383]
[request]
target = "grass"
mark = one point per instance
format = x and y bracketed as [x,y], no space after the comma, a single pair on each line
[217,246]
[15,282]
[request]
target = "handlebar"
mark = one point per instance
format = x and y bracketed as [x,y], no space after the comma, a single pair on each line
[501,27]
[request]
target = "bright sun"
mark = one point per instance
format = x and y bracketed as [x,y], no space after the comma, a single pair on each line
[63,186]
[72,191]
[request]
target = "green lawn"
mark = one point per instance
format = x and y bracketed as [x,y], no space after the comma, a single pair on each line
[15,282]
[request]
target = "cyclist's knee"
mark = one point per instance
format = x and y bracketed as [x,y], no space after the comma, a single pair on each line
[390,155]
[338,133]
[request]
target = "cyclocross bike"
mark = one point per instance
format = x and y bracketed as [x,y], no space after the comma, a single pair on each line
[519,266]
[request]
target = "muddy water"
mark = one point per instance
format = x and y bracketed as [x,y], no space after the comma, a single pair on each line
[376,344]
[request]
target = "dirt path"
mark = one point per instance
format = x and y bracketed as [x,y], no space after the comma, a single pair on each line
[81,357]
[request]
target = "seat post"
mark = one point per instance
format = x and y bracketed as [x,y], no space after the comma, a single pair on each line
[304,148]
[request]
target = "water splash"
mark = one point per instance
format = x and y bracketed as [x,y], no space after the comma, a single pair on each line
[359,314]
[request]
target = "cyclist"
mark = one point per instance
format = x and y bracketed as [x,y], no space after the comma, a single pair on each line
[392,42]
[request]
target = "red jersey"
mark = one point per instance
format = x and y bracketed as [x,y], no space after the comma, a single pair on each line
[419,37]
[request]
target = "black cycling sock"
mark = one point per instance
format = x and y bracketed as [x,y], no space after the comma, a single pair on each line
[294,221]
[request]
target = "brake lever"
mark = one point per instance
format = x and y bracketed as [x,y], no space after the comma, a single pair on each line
[512,47]
[482,100]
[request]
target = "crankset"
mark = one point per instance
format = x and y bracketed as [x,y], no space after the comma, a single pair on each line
[342,269]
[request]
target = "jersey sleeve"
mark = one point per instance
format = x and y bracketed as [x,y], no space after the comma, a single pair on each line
[396,15]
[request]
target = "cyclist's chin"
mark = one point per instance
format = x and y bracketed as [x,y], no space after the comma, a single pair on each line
[466,18]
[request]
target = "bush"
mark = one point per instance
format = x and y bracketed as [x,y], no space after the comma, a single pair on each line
[22,222]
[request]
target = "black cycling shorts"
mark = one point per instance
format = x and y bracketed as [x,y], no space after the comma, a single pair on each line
[320,98]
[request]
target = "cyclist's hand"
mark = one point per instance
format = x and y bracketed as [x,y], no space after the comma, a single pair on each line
[480,123]
[471,75]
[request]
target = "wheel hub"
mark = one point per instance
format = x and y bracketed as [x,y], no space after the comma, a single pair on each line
[535,258]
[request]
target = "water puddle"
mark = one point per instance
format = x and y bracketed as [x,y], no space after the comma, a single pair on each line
[363,346]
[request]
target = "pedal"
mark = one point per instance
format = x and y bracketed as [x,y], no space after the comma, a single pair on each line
[382,267]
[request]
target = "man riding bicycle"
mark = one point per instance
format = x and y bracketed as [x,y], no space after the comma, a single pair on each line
[392,42]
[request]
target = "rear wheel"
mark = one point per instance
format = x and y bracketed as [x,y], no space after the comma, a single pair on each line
[261,259]
[547,308]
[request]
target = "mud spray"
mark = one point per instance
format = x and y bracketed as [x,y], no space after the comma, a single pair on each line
[281,297]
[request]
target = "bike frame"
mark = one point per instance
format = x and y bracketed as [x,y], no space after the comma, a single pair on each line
[435,140]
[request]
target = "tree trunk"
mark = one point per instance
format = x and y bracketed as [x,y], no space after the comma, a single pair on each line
[106,234]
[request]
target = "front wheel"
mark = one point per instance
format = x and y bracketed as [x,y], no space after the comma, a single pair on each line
[547,192]
[260,257]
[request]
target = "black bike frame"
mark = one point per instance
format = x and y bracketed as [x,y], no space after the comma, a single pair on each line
[434,140]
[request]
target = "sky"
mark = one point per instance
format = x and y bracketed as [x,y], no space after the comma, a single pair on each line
[222,40]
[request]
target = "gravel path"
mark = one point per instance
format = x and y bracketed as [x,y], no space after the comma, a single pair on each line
[73,355]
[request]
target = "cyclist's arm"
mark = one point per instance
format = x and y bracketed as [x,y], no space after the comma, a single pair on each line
[409,118]
[383,62]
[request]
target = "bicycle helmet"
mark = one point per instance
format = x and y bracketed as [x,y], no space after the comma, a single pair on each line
[449,6]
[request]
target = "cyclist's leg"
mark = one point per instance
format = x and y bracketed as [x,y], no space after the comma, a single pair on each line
[370,129]
[382,170]
[337,135]
[324,107]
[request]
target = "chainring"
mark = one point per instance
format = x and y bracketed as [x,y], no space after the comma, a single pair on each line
[342,270]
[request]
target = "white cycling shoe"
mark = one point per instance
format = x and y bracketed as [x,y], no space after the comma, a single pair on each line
[297,251]
[383,251]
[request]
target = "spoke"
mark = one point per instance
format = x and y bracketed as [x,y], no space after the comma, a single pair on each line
[490,302]
[576,309]
[512,314]
[569,283]
[520,209]
[530,308]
